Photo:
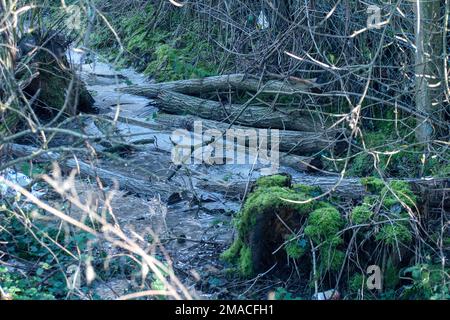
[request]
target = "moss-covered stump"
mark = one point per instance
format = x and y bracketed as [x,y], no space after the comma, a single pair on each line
[386,229]
[267,225]
[56,85]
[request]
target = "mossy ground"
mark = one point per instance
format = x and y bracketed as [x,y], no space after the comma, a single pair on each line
[160,51]
[387,145]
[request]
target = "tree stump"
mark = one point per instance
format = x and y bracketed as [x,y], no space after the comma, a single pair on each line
[54,85]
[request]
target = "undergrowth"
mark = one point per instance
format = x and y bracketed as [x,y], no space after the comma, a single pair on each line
[161,52]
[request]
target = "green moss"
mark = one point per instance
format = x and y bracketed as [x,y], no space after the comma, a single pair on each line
[160,51]
[270,196]
[398,155]
[372,184]
[261,201]
[232,253]
[277,180]
[331,259]
[370,200]
[272,199]
[391,234]
[309,190]
[323,225]
[361,214]
[361,165]
[175,64]
[245,261]
[401,190]
[295,249]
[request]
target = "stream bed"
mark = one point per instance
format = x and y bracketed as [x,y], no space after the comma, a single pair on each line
[193,233]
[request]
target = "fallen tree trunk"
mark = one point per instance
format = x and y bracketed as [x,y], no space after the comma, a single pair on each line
[296,142]
[433,192]
[253,116]
[239,81]
[348,188]
[138,186]
[296,162]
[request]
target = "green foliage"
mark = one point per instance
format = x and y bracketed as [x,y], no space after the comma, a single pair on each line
[427,282]
[31,170]
[372,184]
[391,275]
[441,170]
[309,190]
[391,197]
[270,195]
[46,248]
[176,64]
[356,283]
[397,155]
[261,201]
[361,166]
[323,227]
[392,194]
[232,253]
[19,242]
[22,287]
[268,200]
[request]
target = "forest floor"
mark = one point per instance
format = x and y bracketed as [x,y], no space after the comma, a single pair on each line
[193,235]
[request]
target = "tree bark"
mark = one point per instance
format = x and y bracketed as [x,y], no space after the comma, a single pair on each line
[296,142]
[433,192]
[138,186]
[8,95]
[240,82]
[429,65]
[253,116]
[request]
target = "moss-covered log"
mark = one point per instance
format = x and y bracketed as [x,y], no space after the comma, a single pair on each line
[268,223]
[280,222]
[432,193]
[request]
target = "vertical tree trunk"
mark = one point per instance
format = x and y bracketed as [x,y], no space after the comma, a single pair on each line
[8,97]
[429,65]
